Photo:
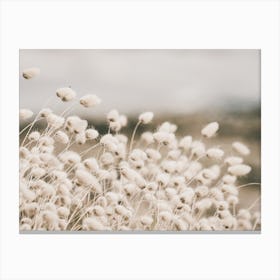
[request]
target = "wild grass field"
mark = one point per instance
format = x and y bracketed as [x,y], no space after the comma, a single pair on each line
[111,175]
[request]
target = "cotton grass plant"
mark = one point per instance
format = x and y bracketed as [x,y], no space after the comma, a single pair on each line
[119,182]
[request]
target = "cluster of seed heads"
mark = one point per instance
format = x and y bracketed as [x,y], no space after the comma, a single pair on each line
[159,182]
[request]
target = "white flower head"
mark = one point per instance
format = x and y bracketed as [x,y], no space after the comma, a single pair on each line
[210,129]
[146,220]
[90,100]
[239,169]
[147,137]
[241,148]
[80,138]
[25,114]
[91,134]
[215,153]
[70,157]
[66,94]
[61,137]
[146,117]
[115,126]
[233,160]
[167,127]
[55,121]
[75,125]
[113,116]
[232,200]
[123,120]
[92,223]
[185,143]
[34,136]
[45,112]
[229,179]
[30,73]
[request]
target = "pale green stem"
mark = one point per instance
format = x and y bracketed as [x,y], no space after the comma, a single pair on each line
[133,135]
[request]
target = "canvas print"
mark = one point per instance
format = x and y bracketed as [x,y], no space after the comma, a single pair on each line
[139,141]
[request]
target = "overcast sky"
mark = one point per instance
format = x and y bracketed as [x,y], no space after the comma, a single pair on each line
[132,81]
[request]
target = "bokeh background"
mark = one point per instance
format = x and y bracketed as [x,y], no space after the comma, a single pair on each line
[187,87]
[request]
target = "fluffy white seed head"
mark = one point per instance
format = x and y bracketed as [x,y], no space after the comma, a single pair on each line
[45,112]
[47,190]
[92,223]
[46,141]
[221,205]
[137,154]
[198,149]
[216,193]
[24,152]
[25,114]
[146,117]
[63,212]
[107,159]
[130,189]
[229,189]
[91,164]
[215,153]
[241,148]
[98,210]
[177,181]
[163,179]
[165,216]
[233,160]
[91,134]
[122,210]
[75,125]
[187,196]
[232,200]
[34,136]
[90,100]
[55,121]
[112,197]
[146,220]
[108,139]
[147,137]
[61,137]
[37,172]
[27,194]
[239,169]
[115,126]
[216,171]
[174,154]
[113,116]
[179,224]
[123,120]
[58,175]
[210,130]
[168,166]
[203,204]
[167,127]
[84,177]
[30,73]
[185,143]
[70,157]
[80,138]
[201,191]
[122,139]
[65,94]
[229,179]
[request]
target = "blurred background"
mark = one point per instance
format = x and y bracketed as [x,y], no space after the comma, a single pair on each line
[187,87]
